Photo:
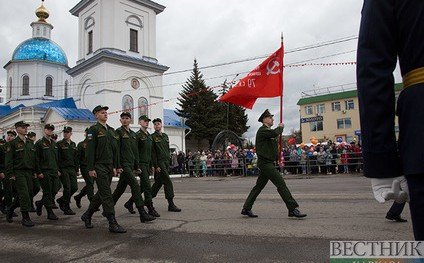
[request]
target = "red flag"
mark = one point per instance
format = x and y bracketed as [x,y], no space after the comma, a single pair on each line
[265,81]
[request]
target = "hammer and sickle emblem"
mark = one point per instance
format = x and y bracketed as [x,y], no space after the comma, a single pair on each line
[273,67]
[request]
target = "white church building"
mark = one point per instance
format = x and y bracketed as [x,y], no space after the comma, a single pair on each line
[116,66]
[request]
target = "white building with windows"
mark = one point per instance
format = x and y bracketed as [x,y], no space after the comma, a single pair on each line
[116,66]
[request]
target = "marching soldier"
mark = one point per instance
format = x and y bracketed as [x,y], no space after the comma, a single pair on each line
[20,167]
[8,192]
[145,143]
[88,189]
[56,184]
[47,170]
[102,162]
[129,162]
[68,167]
[2,174]
[35,182]
[160,158]
[267,151]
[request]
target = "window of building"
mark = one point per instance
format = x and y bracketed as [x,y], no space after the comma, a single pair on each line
[320,109]
[335,106]
[90,42]
[49,86]
[128,105]
[66,89]
[349,105]
[316,126]
[25,85]
[143,108]
[133,40]
[10,88]
[345,123]
[308,110]
[1,99]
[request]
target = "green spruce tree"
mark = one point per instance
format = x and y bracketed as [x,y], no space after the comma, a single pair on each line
[204,115]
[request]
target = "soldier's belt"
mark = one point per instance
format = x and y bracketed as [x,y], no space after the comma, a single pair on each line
[413,77]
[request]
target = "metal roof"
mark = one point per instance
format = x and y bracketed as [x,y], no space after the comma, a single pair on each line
[73,114]
[64,103]
[336,96]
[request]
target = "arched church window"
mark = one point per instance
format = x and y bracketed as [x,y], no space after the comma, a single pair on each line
[49,86]
[66,89]
[10,88]
[143,108]
[128,105]
[25,85]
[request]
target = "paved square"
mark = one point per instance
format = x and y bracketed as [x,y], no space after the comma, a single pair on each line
[210,227]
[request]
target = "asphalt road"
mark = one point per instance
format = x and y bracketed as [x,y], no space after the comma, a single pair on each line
[210,227]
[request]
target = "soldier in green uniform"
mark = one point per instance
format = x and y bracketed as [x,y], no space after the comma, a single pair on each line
[56,184]
[161,156]
[102,164]
[267,151]
[2,174]
[8,185]
[145,143]
[20,167]
[68,168]
[88,189]
[35,182]
[47,170]
[129,162]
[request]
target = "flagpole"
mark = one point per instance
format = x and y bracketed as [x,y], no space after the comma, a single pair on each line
[280,141]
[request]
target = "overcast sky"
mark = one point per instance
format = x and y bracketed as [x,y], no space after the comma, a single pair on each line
[221,31]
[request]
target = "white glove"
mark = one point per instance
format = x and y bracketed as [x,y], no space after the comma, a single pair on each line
[390,189]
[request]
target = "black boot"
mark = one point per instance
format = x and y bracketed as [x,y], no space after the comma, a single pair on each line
[9,213]
[39,207]
[77,199]
[86,218]
[50,214]
[248,212]
[172,207]
[26,220]
[114,227]
[68,211]
[296,213]
[152,210]
[129,205]
[144,216]
[61,204]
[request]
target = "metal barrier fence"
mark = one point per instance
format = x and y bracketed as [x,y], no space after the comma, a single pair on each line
[333,163]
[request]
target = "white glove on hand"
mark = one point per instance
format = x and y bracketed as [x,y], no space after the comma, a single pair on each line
[390,189]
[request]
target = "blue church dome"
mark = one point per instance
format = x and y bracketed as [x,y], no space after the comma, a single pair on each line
[40,49]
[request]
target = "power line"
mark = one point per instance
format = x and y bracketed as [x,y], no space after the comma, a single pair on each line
[299,49]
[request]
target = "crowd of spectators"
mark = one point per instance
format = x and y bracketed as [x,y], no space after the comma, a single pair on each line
[325,158]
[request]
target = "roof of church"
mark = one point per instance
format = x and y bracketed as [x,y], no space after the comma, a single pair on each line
[105,54]
[40,49]
[73,114]
[158,8]
[171,119]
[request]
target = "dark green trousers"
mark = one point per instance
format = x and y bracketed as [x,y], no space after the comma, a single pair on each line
[48,184]
[127,178]
[8,186]
[268,172]
[103,197]
[163,179]
[23,184]
[68,178]
[145,186]
[56,185]
[35,188]
[88,189]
